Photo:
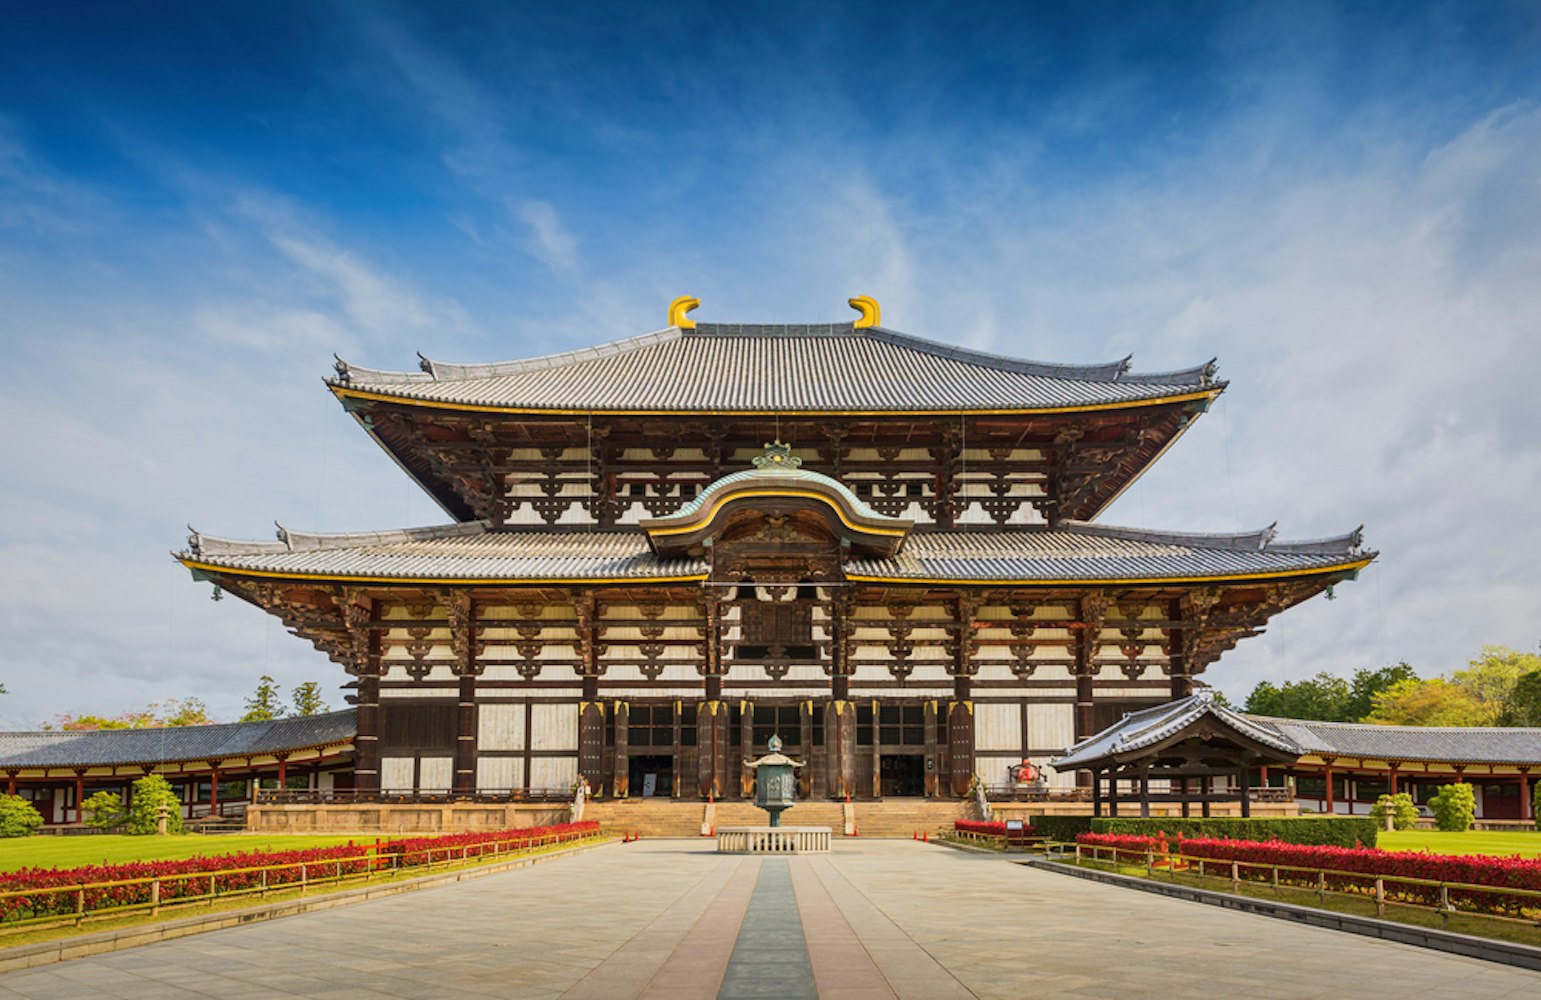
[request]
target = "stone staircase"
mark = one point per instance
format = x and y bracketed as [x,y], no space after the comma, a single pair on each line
[658,817]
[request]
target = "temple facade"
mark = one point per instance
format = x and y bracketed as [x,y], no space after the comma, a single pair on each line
[662,551]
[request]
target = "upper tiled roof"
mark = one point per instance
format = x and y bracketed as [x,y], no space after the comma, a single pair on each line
[1150,726]
[1409,743]
[174,743]
[762,368]
[473,551]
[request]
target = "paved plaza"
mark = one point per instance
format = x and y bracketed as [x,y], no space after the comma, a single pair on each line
[874,919]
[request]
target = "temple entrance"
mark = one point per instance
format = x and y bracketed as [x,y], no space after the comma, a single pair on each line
[902,774]
[651,774]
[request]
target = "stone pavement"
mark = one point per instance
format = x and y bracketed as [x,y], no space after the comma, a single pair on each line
[875,920]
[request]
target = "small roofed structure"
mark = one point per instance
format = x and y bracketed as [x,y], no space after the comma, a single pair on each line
[1191,739]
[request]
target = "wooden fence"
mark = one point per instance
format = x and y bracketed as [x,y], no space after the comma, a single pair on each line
[99,900]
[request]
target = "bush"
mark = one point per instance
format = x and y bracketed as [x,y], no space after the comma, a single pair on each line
[1355,869]
[1400,807]
[104,810]
[1061,829]
[1342,831]
[1455,807]
[144,815]
[18,817]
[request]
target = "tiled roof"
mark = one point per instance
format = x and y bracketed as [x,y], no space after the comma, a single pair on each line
[1150,726]
[1080,551]
[1409,743]
[749,477]
[174,743]
[469,551]
[474,551]
[762,368]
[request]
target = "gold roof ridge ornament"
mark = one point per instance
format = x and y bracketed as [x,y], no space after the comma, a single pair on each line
[871,312]
[679,307]
[777,456]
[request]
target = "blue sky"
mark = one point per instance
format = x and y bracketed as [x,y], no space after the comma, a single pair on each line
[200,203]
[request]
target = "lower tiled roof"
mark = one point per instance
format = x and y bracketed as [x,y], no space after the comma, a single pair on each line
[474,551]
[1149,726]
[1409,743]
[174,743]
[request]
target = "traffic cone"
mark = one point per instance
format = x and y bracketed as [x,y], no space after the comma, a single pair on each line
[925,836]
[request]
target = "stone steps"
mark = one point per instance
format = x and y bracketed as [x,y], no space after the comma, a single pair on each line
[889,818]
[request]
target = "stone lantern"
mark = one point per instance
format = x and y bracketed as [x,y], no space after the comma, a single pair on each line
[775,785]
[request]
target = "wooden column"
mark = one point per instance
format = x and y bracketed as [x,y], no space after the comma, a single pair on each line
[591,712]
[364,663]
[1204,787]
[10,782]
[80,795]
[1087,633]
[1328,761]
[1145,793]
[745,748]
[1113,793]
[805,738]
[840,748]
[933,783]
[1096,793]
[213,788]
[1244,777]
[621,781]
[712,751]
[283,771]
[1391,766]
[463,639]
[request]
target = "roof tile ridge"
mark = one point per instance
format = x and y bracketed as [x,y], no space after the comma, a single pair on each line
[785,330]
[303,541]
[347,374]
[1350,544]
[1111,371]
[1387,727]
[1241,541]
[1203,375]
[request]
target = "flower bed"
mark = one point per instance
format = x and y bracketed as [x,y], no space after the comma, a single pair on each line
[63,891]
[991,828]
[1355,869]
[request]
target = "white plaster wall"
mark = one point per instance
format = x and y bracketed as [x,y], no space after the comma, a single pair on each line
[396,774]
[436,774]
[1050,726]
[553,727]
[500,727]
[553,772]
[997,727]
[500,772]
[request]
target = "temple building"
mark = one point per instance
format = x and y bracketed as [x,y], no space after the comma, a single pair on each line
[664,550]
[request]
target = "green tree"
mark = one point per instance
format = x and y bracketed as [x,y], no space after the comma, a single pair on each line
[104,810]
[1455,807]
[1493,676]
[1435,702]
[1324,698]
[265,703]
[172,712]
[1366,684]
[1400,807]
[1524,708]
[149,792]
[182,712]
[18,817]
[307,699]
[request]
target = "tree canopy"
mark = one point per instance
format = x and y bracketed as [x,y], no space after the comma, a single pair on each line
[1327,697]
[265,703]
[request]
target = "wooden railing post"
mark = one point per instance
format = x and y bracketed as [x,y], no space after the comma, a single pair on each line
[1235,878]
[155,898]
[1380,897]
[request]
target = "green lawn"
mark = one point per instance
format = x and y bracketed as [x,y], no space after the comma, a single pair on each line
[1496,842]
[67,852]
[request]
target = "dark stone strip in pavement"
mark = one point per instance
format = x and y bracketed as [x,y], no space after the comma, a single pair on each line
[770,958]
[629,969]
[696,968]
[909,969]
[842,969]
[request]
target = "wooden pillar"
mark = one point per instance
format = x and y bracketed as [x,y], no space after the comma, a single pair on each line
[805,738]
[840,647]
[1145,792]
[676,747]
[10,782]
[745,748]
[933,765]
[840,748]
[213,788]
[1204,787]
[1391,766]
[621,781]
[1087,635]
[1182,790]
[283,771]
[877,754]
[1330,802]
[80,795]
[1096,793]
[1113,793]
[712,751]
[1244,778]
[465,738]
[463,639]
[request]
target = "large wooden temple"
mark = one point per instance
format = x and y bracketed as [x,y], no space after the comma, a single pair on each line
[662,551]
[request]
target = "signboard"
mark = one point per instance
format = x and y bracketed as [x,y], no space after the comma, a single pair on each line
[1013,826]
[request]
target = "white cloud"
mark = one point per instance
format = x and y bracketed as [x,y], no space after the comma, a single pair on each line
[549,241]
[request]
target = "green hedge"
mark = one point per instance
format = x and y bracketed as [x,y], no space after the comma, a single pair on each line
[1342,831]
[1064,828]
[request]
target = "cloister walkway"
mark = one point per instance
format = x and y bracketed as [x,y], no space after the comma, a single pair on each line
[874,919]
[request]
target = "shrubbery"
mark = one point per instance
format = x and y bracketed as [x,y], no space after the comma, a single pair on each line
[104,810]
[1455,807]
[1342,831]
[1400,807]
[18,817]
[1061,829]
[144,815]
[1354,869]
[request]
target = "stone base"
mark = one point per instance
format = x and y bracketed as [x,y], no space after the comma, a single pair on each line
[457,817]
[773,840]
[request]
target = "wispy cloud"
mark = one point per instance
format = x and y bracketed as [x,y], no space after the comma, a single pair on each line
[549,241]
